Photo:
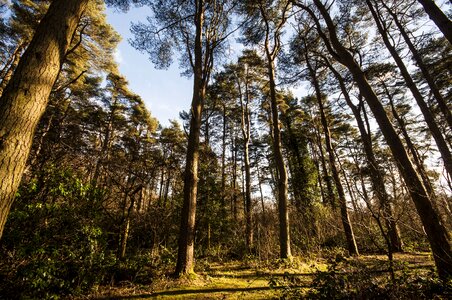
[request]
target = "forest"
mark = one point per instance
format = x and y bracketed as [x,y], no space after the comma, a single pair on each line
[313,162]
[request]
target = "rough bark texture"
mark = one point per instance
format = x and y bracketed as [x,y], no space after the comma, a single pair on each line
[439,17]
[436,233]
[185,255]
[25,97]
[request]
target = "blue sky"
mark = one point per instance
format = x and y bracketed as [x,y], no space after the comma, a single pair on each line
[165,92]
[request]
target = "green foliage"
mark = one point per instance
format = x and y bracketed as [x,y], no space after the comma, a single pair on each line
[54,244]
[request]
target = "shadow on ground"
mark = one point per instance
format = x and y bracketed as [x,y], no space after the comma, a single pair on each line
[195,291]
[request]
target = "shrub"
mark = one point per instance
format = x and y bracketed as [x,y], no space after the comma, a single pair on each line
[53,243]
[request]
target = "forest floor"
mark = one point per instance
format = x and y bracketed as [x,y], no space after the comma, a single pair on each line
[238,280]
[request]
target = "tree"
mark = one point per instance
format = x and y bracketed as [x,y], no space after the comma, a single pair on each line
[196,29]
[439,17]
[376,174]
[350,237]
[426,112]
[243,80]
[304,45]
[25,97]
[266,20]
[303,173]
[436,233]
[19,29]
[419,60]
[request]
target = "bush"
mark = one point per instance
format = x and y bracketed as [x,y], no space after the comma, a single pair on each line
[53,244]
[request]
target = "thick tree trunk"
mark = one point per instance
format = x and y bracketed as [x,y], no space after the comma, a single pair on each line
[436,233]
[25,97]
[185,255]
[428,116]
[439,17]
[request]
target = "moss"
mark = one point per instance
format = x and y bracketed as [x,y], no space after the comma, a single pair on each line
[256,280]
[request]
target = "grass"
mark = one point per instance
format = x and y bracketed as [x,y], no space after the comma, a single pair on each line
[237,280]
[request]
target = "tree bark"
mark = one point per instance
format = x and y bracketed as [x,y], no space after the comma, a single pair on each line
[26,96]
[271,52]
[185,255]
[234,150]
[329,197]
[436,233]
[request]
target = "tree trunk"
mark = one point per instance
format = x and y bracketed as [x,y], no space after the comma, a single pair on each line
[428,117]
[284,231]
[185,255]
[109,134]
[223,161]
[167,188]
[234,150]
[259,181]
[348,229]
[7,72]
[329,197]
[245,126]
[161,186]
[439,17]
[25,97]
[411,147]
[436,233]
[296,167]
[442,104]
[376,174]
[317,167]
